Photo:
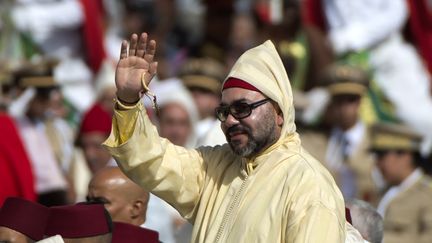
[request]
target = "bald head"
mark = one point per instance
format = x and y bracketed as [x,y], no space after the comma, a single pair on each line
[125,201]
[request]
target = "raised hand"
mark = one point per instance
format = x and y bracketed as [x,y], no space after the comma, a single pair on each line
[135,68]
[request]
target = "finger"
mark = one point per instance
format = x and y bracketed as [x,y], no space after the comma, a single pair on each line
[142,45]
[123,49]
[153,68]
[150,52]
[133,44]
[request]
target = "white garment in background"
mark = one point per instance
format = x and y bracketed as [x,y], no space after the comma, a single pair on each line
[209,132]
[74,78]
[173,91]
[66,135]
[47,172]
[394,191]
[361,24]
[160,217]
[52,239]
[56,27]
[401,75]
[53,24]
[353,235]
[80,175]
[341,146]
[376,25]
[336,151]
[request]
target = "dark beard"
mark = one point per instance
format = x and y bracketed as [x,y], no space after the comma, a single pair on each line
[264,137]
[250,146]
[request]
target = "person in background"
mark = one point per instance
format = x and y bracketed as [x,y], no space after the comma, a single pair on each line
[203,78]
[178,114]
[372,36]
[243,35]
[95,128]
[79,223]
[343,148]
[366,220]
[39,132]
[69,31]
[22,221]
[406,206]
[125,201]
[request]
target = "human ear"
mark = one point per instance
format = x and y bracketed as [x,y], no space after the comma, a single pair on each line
[279,119]
[138,208]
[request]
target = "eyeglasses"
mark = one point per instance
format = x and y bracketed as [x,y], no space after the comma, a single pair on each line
[238,110]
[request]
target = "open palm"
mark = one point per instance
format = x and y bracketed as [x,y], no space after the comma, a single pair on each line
[135,68]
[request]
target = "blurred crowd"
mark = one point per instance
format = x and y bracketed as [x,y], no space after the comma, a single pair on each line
[360,72]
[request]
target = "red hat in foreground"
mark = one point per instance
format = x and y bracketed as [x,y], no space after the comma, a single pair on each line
[78,221]
[24,216]
[127,233]
[96,120]
[238,83]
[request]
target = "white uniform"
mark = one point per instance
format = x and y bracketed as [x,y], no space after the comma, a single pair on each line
[55,26]
[376,25]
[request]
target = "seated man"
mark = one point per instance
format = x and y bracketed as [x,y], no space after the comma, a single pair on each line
[22,221]
[125,201]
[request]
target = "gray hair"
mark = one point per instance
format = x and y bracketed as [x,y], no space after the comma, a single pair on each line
[366,220]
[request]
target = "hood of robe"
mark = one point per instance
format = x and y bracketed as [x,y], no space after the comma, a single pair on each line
[262,67]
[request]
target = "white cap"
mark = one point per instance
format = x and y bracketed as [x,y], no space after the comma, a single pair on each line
[75,77]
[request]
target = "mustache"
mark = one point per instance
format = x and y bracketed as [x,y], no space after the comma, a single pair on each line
[238,128]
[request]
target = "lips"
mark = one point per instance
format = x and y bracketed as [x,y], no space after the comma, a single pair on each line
[236,131]
[232,134]
[237,138]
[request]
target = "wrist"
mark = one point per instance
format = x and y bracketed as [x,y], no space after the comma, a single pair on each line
[128,101]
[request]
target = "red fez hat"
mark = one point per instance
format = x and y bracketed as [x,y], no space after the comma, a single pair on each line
[26,217]
[78,221]
[127,233]
[238,83]
[96,120]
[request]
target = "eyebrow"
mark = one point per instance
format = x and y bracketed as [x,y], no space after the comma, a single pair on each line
[236,101]
[97,200]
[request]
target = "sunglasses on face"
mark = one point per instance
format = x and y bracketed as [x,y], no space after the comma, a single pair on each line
[238,110]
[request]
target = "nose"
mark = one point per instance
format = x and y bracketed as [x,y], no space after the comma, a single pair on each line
[230,121]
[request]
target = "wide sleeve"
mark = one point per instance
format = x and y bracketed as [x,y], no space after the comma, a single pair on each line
[173,173]
[318,224]
[316,210]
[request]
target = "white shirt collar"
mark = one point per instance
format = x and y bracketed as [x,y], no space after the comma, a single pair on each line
[354,136]
[394,191]
[411,179]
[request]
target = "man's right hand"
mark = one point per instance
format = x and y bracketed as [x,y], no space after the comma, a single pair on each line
[135,68]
